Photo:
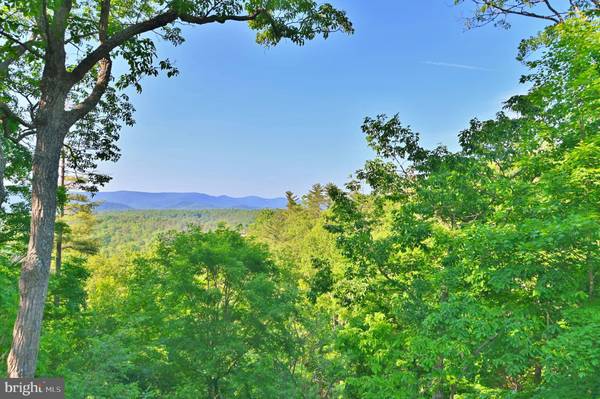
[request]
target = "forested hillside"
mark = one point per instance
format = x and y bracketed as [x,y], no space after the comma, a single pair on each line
[432,273]
[137,229]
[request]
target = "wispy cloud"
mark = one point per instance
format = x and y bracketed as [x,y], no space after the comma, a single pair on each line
[459,66]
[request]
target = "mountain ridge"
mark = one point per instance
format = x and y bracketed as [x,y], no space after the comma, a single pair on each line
[124,200]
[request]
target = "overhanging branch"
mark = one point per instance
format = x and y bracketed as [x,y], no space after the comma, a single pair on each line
[81,109]
[105,67]
[218,18]
[20,46]
[553,10]
[520,11]
[159,21]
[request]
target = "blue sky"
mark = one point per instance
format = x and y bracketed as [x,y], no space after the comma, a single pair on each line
[245,120]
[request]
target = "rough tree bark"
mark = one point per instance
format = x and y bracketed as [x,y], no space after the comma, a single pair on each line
[51,125]
[33,283]
[537,374]
[52,122]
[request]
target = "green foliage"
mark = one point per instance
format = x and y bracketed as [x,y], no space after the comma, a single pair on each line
[9,272]
[135,230]
[473,274]
[199,315]
[223,303]
[297,239]
[468,274]
[322,281]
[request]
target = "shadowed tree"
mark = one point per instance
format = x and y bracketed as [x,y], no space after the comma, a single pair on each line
[56,61]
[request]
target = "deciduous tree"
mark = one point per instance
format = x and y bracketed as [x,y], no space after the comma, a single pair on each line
[56,64]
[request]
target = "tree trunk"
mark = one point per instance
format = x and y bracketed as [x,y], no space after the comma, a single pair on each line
[439,391]
[537,374]
[33,283]
[213,388]
[439,386]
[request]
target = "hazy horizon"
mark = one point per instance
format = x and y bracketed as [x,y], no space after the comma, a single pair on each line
[191,192]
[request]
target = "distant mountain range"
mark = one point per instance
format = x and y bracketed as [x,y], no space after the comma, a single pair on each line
[131,200]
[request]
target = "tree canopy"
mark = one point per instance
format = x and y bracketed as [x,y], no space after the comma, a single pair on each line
[433,273]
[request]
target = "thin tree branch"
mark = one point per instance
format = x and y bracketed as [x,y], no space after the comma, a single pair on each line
[24,134]
[17,140]
[558,15]
[25,46]
[218,18]
[73,157]
[104,49]
[521,12]
[32,106]
[18,51]
[5,109]
[75,38]
[480,348]
[105,68]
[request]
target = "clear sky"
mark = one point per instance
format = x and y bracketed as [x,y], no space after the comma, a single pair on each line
[245,120]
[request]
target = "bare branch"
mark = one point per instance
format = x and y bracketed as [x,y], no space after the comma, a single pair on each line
[521,11]
[24,134]
[558,15]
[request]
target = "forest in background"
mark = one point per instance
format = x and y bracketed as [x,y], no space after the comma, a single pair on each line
[431,274]
[135,230]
